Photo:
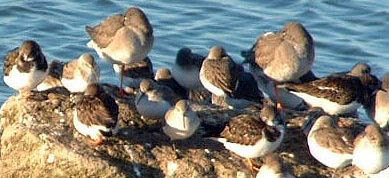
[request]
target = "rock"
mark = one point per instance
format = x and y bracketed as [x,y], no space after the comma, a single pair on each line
[37,139]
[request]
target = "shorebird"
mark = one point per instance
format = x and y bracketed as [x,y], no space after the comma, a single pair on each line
[122,39]
[181,121]
[25,67]
[285,55]
[378,106]
[186,69]
[79,73]
[53,78]
[219,74]
[134,73]
[328,144]
[153,100]
[164,77]
[273,167]
[96,114]
[337,94]
[371,150]
[247,88]
[250,136]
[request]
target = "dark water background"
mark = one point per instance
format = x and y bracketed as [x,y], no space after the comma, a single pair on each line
[345,32]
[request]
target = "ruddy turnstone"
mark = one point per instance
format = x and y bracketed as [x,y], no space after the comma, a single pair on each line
[285,55]
[187,68]
[250,136]
[328,144]
[96,114]
[79,73]
[134,73]
[378,106]
[153,100]
[371,150]
[273,167]
[181,121]
[53,79]
[25,67]
[336,94]
[164,77]
[123,39]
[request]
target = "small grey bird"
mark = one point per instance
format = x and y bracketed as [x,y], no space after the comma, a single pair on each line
[186,69]
[378,106]
[371,152]
[95,114]
[79,73]
[273,167]
[53,78]
[181,121]
[25,67]
[327,143]
[122,39]
[153,100]
[163,77]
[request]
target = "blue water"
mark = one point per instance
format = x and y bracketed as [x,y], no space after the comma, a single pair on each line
[345,32]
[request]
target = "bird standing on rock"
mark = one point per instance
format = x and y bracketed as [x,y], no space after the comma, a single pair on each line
[96,114]
[134,73]
[25,67]
[79,73]
[123,39]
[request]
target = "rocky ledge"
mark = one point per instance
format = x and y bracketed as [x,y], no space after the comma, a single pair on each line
[38,140]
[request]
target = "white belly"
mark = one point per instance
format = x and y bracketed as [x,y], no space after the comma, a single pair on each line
[24,81]
[370,160]
[152,109]
[187,77]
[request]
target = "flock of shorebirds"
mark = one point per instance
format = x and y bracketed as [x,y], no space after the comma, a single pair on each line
[280,65]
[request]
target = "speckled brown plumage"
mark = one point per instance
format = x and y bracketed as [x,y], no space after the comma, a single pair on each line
[221,71]
[340,89]
[248,129]
[97,108]
[375,135]
[103,33]
[142,69]
[18,57]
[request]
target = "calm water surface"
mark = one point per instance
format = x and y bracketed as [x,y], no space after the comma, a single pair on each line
[345,32]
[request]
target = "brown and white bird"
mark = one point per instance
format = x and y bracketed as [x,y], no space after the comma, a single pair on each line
[250,136]
[153,100]
[371,150]
[123,38]
[273,167]
[134,73]
[285,55]
[53,78]
[328,143]
[337,94]
[378,106]
[25,67]
[186,69]
[181,121]
[163,76]
[95,114]
[79,73]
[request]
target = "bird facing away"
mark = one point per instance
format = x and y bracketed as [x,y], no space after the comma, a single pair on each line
[79,73]
[153,100]
[250,136]
[219,73]
[285,55]
[186,69]
[134,73]
[25,67]
[163,77]
[96,114]
[273,167]
[371,152]
[53,78]
[327,143]
[123,39]
[336,94]
[181,121]
[378,106]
